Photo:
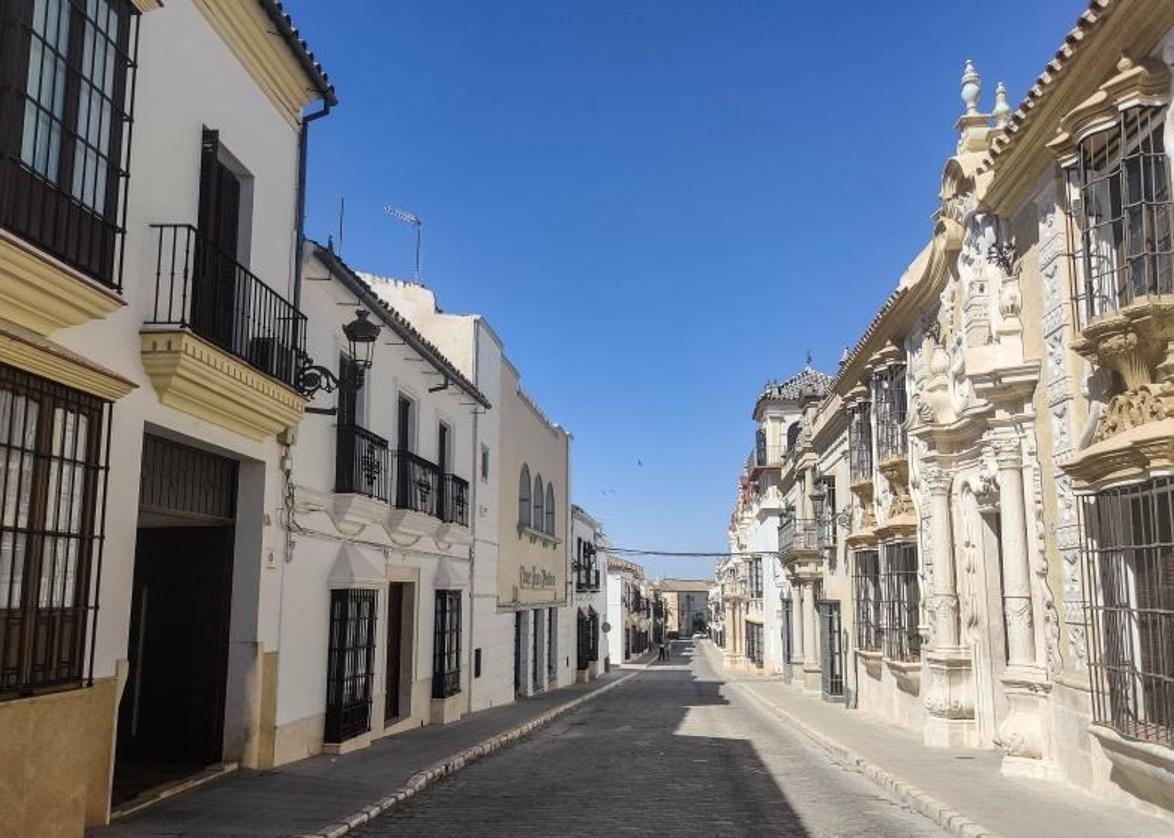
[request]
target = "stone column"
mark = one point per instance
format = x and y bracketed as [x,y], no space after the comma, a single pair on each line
[1023,732]
[945,591]
[1016,568]
[796,624]
[949,695]
[811,673]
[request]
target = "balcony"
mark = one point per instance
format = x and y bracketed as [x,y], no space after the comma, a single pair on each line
[365,465]
[801,542]
[587,579]
[219,343]
[454,500]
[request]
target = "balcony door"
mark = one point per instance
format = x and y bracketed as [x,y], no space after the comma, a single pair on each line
[215,308]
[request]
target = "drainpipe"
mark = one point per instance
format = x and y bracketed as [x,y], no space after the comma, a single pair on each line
[474,481]
[300,221]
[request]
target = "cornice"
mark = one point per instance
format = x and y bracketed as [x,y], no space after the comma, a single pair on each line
[144,6]
[32,353]
[202,380]
[248,32]
[43,294]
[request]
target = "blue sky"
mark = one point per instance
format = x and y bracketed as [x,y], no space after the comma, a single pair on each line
[658,205]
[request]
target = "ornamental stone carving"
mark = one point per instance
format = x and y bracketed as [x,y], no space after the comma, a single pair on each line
[1129,410]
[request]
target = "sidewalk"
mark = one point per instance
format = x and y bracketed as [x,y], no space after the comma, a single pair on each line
[961,789]
[318,795]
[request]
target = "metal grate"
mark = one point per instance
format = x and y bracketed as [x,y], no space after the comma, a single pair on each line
[889,397]
[788,641]
[454,507]
[1128,540]
[860,442]
[66,85]
[866,589]
[350,664]
[54,447]
[900,607]
[207,489]
[446,645]
[1125,214]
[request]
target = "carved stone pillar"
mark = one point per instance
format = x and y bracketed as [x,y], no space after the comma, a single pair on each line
[949,695]
[812,680]
[796,625]
[945,590]
[1023,732]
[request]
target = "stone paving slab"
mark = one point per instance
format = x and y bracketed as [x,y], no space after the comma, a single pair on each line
[966,787]
[324,793]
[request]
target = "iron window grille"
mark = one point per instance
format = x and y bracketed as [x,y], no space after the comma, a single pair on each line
[825,515]
[454,500]
[54,450]
[788,617]
[866,589]
[446,645]
[754,642]
[901,604]
[1128,541]
[417,483]
[755,578]
[208,493]
[350,664]
[1124,214]
[66,91]
[891,404]
[860,442]
[831,649]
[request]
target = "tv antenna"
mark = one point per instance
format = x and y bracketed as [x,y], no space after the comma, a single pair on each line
[412,220]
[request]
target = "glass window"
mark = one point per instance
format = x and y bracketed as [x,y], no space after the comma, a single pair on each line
[549,510]
[524,498]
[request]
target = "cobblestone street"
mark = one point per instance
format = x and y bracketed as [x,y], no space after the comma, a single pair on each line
[676,751]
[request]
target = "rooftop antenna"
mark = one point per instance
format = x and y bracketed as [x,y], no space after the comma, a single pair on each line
[341,218]
[412,220]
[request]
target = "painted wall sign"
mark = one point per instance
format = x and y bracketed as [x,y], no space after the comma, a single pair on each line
[536,578]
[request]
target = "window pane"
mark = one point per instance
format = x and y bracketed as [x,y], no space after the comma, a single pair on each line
[95,104]
[45,88]
[63,510]
[18,433]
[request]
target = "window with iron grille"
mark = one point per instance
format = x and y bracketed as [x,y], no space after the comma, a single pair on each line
[1128,540]
[860,441]
[825,510]
[755,568]
[1124,212]
[866,589]
[446,645]
[901,603]
[889,397]
[65,127]
[754,642]
[54,444]
[350,666]
[788,616]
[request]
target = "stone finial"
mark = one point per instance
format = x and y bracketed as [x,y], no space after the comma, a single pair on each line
[971,87]
[1002,112]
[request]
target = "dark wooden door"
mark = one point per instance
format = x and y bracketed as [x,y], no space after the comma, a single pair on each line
[172,709]
[395,613]
[217,313]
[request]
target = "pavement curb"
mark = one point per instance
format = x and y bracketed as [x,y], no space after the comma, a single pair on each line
[433,774]
[945,817]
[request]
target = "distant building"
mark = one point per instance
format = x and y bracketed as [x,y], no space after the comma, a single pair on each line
[686,606]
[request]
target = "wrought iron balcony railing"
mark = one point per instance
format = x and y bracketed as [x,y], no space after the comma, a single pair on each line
[587,579]
[454,500]
[799,535]
[363,463]
[199,287]
[417,483]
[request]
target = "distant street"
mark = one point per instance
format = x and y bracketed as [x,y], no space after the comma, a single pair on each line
[675,752]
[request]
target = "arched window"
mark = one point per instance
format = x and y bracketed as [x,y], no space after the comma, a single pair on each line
[524,498]
[792,435]
[538,509]
[550,508]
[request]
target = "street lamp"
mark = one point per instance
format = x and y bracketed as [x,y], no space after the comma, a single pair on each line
[313,379]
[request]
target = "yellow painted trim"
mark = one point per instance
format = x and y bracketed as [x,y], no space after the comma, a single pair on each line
[43,294]
[245,29]
[204,381]
[63,368]
[145,6]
